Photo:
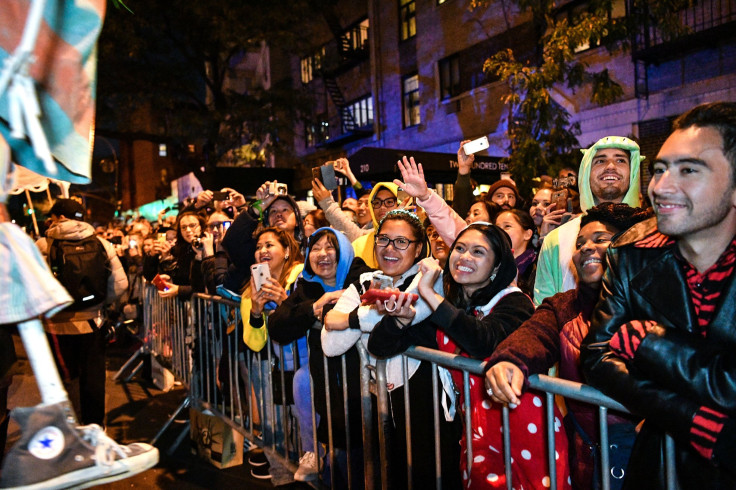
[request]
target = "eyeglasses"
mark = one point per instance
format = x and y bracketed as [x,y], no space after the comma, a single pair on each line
[399,243]
[389,203]
[189,227]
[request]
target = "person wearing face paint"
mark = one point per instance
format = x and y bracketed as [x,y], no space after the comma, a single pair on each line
[330,266]
[479,306]
[400,240]
[609,172]
[553,335]
[662,337]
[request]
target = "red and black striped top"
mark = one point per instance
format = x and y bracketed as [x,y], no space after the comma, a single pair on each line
[706,288]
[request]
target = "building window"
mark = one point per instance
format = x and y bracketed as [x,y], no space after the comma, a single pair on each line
[356,38]
[450,77]
[410,92]
[317,132]
[361,113]
[162,150]
[311,64]
[408,18]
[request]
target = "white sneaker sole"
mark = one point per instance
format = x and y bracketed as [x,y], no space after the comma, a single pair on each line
[91,476]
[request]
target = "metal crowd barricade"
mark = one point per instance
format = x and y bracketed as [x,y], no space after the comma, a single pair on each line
[201,342]
[550,386]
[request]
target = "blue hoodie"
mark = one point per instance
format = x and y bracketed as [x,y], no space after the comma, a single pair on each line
[344,261]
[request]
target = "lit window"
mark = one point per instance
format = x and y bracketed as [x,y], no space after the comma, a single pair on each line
[361,112]
[312,64]
[356,38]
[191,148]
[408,18]
[411,101]
[162,150]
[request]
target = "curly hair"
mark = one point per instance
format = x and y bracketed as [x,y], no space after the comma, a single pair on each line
[618,215]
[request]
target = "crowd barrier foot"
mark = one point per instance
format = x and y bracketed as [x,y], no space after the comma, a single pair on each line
[184,404]
[139,356]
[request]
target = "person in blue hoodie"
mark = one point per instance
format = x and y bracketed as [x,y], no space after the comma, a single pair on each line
[330,265]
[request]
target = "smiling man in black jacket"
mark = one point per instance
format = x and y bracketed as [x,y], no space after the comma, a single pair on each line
[662,337]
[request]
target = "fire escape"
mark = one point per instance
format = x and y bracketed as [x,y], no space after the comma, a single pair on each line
[348,49]
[709,23]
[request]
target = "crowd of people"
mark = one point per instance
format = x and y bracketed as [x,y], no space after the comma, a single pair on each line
[525,283]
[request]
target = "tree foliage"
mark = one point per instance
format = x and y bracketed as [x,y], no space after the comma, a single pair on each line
[165,72]
[540,133]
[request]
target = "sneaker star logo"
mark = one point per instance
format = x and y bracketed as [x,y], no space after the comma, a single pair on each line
[47,443]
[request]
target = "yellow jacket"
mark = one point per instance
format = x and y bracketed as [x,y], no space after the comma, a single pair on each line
[364,246]
[255,338]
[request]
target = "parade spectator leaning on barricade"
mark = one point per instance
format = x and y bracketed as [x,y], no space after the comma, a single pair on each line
[399,243]
[553,335]
[278,251]
[609,172]
[186,277]
[478,307]
[662,337]
[520,228]
[329,267]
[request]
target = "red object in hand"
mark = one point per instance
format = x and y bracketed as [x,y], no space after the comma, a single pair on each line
[160,283]
[372,295]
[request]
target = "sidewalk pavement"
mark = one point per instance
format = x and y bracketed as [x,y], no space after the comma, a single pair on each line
[135,412]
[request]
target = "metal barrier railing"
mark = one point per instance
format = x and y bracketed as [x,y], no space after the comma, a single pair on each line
[201,342]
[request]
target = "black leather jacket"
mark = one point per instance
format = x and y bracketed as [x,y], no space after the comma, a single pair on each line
[675,371]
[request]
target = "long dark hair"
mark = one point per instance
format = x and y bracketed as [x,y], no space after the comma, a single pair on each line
[504,261]
[182,247]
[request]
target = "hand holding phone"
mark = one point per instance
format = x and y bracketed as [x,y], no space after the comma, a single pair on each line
[260,273]
[476,145]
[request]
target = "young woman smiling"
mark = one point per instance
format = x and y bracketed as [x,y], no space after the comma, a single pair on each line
[399,245]
[277,248]
[329,267]
[553,335]
[480,307]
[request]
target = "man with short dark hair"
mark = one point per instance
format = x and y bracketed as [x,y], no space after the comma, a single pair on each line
[662,338]
[77,341]
[609,172]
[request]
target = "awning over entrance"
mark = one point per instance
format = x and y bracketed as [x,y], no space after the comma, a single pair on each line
[379,164]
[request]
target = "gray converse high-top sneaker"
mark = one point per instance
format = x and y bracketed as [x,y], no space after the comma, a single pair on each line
[55,453]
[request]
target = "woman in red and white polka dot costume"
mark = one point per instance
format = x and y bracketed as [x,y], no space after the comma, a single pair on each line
[481,307]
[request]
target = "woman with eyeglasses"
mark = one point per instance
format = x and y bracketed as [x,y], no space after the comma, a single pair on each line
[186,271]
[399,243]
[381,201]
[478,307]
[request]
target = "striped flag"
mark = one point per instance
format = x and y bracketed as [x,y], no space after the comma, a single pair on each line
[63,74]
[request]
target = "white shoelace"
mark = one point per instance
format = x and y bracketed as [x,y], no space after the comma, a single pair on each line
[105,448]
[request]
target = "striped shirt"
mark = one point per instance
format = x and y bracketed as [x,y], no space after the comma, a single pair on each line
[706,288]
